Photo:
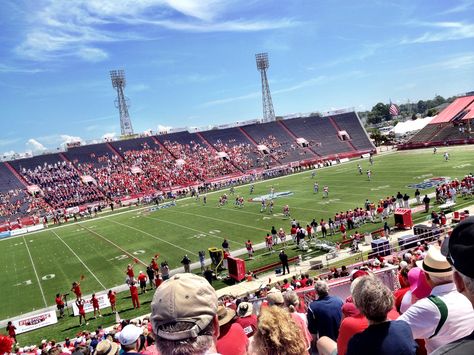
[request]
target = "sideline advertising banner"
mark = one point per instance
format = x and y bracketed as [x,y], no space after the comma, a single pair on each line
[39,320]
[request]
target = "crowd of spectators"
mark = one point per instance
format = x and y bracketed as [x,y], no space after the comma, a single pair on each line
[61,185]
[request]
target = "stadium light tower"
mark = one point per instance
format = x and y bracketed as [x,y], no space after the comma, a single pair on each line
[262,66]
[118,83]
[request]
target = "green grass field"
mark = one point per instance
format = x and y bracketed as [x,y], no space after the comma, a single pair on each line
[37,266]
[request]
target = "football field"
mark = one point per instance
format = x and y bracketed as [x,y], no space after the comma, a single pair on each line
[37,266]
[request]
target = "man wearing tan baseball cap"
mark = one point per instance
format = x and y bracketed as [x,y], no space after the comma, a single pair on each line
[445,315]
[184,316]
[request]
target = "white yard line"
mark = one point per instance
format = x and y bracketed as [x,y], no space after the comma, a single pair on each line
[36,273]
[78,258]
[115,245]
[220,220]
[151,235]
[192,229]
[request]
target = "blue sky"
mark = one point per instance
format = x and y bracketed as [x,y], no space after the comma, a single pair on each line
[192,62]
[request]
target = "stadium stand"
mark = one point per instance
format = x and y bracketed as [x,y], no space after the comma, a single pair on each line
[90,154]
[280,143]
[351,124]
[450,126]
[319,132]
[241,150]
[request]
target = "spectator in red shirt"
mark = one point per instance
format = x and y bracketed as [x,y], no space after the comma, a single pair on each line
[246,318]
[232,338]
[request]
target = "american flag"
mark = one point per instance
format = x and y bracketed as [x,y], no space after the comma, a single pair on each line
[394,111]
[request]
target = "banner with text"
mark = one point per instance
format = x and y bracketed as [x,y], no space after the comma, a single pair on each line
[40,320]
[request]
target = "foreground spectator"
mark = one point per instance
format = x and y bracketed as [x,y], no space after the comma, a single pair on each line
[184,316]
[459,255]
[353,323]
[445,315]
[129,338]
[374,300]
[324,314]
[246,318]
[106,347]
[232,339]
[275,334]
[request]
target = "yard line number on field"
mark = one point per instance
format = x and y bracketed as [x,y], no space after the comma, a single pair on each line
[151,235]
[115,245]
[78,258]
[36,273]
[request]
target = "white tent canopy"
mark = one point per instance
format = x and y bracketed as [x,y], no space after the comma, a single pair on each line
[409,126]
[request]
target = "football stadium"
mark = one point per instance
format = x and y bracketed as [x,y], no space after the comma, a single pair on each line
[344,230]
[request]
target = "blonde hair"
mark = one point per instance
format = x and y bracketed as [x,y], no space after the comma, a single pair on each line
[277,334]
[291,300]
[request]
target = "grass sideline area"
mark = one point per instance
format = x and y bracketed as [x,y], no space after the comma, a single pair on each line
[39,265]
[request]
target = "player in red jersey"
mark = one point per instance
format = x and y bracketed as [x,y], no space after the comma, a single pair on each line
[82,313]
[269,242]
[249,247]
[112,299]
[95,306]
[142,279]
[154,264]
[11,331]
[76,288]
[130,273]
[134,294]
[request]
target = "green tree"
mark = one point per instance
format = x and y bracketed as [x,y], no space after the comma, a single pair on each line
[379,113]
[432,112]
[421,106]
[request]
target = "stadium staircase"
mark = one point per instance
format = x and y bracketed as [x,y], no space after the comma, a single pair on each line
[282,124]
[336,126]
[112,148]
[256,144]
[15,173]
[212,148]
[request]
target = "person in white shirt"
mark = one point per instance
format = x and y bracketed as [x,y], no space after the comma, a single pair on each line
[445,315]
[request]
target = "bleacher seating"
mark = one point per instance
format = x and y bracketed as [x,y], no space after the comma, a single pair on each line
[351,124]
[319,132]
[241,150]
[14,200]
[126,145]
[425,134]
[280,143]
[90,154]
[449,132]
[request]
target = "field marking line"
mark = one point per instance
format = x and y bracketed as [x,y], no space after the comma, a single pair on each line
[194,230]
[113,214]
[78,258]
[115,245]
[155,237]
[36,273]
[220,220]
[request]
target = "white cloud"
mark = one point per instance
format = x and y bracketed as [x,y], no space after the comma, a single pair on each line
[90,54]
[446,31]
[109,136]
[4,68]
[78,28]
[65,139]
[35,146]
[8,141]
[162,128]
